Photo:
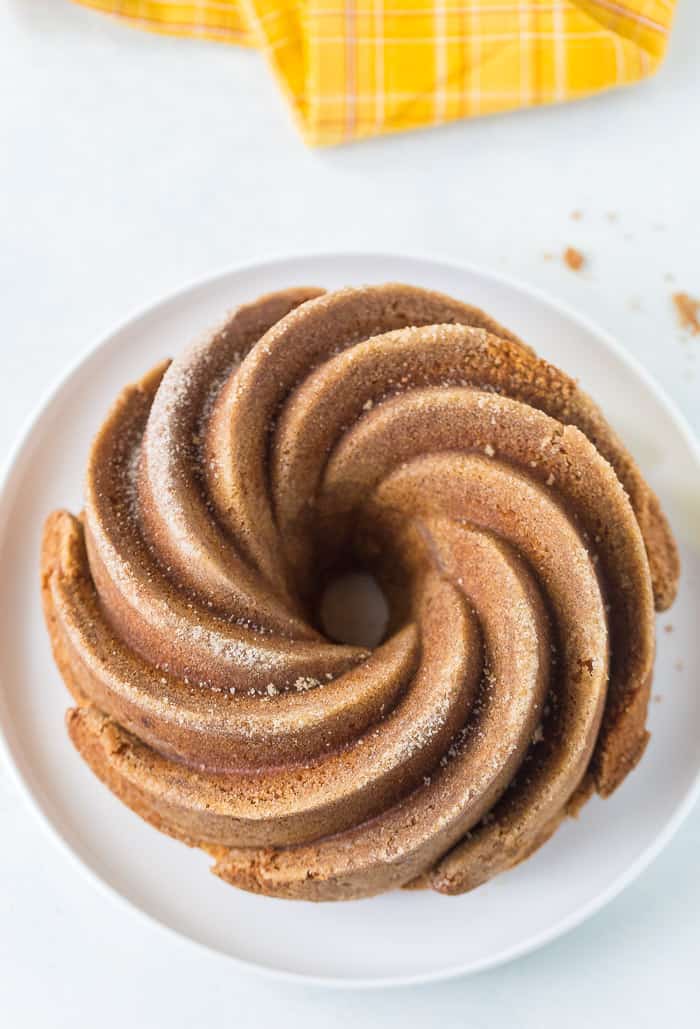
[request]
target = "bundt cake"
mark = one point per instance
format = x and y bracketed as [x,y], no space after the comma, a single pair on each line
[521,554]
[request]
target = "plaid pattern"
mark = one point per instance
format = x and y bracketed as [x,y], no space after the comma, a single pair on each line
[357,68]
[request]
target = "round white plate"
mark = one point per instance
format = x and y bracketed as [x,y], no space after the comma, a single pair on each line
[401,937]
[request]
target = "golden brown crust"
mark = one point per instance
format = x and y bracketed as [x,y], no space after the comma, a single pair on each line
[54,538]
[101,744]
[517,543]
[664,561]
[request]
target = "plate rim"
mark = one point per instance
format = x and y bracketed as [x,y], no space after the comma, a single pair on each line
[31,801]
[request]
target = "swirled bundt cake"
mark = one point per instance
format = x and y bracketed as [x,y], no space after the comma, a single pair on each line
[520,552]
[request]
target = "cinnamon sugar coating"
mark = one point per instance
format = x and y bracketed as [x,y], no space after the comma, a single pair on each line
[520,550]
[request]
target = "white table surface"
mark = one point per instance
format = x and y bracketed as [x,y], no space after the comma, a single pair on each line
[131,163]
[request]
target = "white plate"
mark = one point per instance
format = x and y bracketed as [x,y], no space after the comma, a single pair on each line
[401,937]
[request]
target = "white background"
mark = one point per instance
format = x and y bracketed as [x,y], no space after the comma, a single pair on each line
[131,163]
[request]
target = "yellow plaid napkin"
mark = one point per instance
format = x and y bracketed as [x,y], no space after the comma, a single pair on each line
[356,68]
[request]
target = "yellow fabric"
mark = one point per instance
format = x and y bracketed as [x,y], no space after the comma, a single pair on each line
[357,68]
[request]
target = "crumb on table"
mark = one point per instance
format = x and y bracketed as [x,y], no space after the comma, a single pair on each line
[688,311]
[574,259]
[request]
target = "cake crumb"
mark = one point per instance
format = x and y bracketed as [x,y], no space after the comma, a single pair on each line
[488,450]
[688,312]
[668,628]
[576,216]
[272,690]
[574,259]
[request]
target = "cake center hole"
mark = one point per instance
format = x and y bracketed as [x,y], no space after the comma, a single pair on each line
[354,610]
